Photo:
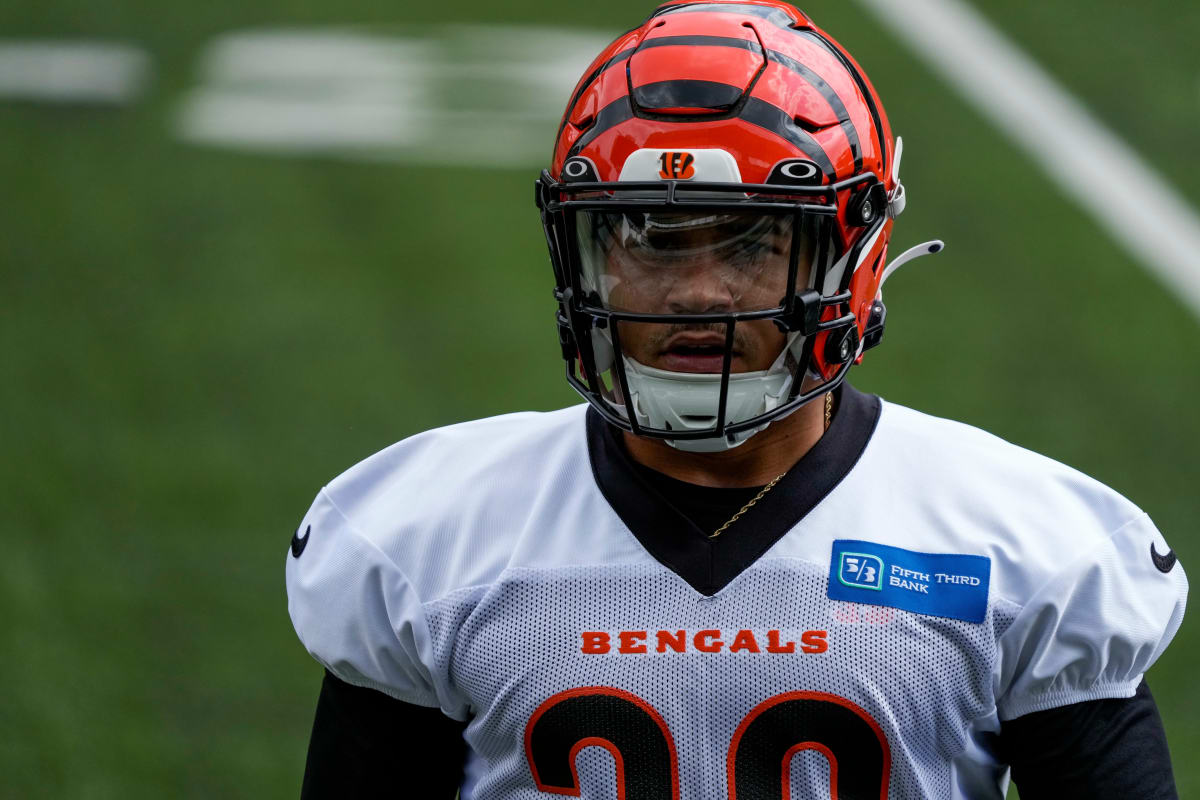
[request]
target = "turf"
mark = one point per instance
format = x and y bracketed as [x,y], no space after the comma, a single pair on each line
[195,340]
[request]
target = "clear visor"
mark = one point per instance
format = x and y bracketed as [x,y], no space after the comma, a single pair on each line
[691,263]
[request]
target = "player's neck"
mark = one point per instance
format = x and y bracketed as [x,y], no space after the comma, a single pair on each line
[755,463]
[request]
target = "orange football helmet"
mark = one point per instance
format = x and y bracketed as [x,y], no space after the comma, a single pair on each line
[718,210]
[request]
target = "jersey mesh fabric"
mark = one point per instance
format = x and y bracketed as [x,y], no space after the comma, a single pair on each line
[461,568]
[922,679]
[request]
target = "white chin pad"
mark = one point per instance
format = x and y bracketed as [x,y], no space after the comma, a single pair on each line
[687,401]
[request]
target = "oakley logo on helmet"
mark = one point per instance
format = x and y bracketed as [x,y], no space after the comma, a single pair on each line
[677,166]
[795,171]
[579,170]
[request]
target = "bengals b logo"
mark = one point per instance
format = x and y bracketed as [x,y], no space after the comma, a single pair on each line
[677,166]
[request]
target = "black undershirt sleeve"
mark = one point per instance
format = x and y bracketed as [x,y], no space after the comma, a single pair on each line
[1099,750]
[366,744]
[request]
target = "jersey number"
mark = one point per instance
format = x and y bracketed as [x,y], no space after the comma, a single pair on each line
[759,758]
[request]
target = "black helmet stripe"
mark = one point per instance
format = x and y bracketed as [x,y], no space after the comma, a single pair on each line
[831,97]
[661,41]
[782,20]
[862,87]
[775,16]
[764,115]
[687,94]
[755,111]
[586,83]
[701,41]
[612,115]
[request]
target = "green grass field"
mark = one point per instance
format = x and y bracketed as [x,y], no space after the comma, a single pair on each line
[194,340]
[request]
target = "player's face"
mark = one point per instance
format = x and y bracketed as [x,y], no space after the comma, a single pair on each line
[697,263]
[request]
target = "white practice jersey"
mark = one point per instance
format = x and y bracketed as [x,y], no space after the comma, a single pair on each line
[944,580]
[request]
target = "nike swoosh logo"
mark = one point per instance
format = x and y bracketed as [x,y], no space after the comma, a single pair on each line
[299,544]
[1163,563]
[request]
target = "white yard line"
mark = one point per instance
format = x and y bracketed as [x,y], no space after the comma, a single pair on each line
[458,94]
[1149,218]
[72,71]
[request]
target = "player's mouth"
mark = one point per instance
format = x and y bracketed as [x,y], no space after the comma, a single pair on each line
[696,352]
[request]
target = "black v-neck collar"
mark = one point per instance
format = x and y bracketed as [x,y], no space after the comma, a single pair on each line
[708,565]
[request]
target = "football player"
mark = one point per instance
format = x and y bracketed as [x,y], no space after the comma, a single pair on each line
[729,574]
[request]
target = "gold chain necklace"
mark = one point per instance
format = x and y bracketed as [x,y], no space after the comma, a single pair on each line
[777,478]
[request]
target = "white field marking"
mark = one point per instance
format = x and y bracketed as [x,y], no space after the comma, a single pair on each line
[1149,218]
[464,95]
[67,71]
